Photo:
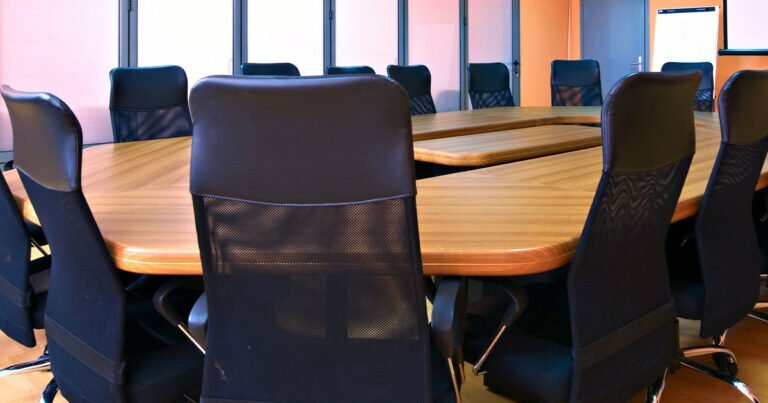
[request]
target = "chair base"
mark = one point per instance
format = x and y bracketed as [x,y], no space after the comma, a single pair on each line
[653,394]
[41,364]
[761,316]
[722,376]
[50,392]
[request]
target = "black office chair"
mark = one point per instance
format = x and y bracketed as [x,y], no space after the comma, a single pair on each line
[270,69]
[576,83]
[417,81]
[612,331]
[313,270]
[105,344]
[489,85]
[347,70]
[149,103]
[715,274]
[23,282]
[705,98]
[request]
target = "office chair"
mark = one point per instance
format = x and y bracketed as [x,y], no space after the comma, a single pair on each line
[613,330]
[417,81]
[576,83]
[23,282]
[105,345]
[489,85]
[313,271]
[705,101]
[345,70]
[715,275]
[149,103]
[270,69]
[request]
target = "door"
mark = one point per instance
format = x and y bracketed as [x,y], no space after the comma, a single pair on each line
[492,34]
[614,32]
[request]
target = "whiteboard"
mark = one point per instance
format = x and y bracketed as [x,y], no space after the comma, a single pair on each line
[686,35]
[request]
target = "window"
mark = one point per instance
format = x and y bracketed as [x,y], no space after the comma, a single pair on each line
[287,31]
[490,31]
[367,33]
[196,35]
[38,53]
[433,36]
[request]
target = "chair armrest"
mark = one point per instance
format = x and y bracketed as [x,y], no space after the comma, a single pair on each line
[198,320]
[518,303]
[449,315]
[161,300]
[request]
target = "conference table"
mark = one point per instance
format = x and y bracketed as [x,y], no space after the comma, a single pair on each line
[507,220]
[499,147]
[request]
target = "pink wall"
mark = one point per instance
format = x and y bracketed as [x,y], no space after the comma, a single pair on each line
[65,48]
[366,33]
[433,29]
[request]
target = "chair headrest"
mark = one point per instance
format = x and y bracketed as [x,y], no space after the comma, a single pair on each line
[313,140]
[47,139]
[647,121]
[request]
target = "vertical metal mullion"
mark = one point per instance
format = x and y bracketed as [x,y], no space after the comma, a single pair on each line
[239,35]
[123,41]
[463,53]
[402,32]
[516,51]
[128,33]
[329,34]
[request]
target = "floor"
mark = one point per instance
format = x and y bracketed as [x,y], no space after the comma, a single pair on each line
[749,340]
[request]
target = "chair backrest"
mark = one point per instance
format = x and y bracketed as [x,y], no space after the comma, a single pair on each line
[576,83]
[417,81]
[489,85]
[149,103]
[15,291]
[621,307]
[705,97]
[85,310]
[346,70]
[729,255]
[270,69]
[312,271]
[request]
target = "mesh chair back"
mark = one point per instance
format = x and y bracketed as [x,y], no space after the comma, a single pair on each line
[15,291]
[85,310]
[313,269]
[417,81]
[576,83]
[705,97]
[489,85]
[346,70]
[622,314]
[729,254]
[270,69]
[149,103]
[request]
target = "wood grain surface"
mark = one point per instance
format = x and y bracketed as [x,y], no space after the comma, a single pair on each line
[486,149]
[512,219]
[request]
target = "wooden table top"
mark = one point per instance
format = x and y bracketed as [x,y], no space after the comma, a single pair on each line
[486,149]
[449,124]
[512,219]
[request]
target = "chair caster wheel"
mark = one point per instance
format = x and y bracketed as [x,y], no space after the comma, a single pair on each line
[726,363]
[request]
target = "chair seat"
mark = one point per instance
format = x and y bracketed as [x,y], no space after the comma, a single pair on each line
[164,375]
[531,364]
[162,364]
[534,355]
[689,299]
